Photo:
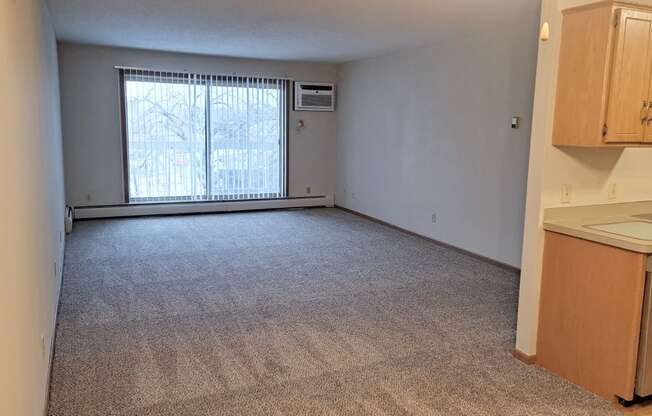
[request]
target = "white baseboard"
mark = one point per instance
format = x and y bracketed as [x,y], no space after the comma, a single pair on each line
[135,210]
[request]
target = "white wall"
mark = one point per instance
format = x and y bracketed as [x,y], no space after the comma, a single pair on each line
[91,118]
[427,130]
[31,205]
[587,171]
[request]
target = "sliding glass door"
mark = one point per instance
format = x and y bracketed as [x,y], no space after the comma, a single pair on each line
[195,137]
[247,119]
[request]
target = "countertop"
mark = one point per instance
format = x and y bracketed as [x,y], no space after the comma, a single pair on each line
[573,221]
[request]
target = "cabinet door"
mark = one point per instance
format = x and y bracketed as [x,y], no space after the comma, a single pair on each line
[590,314]
[630,78]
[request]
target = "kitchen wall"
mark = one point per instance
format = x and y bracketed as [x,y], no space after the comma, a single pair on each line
[32,204]
[91,118]
[588,172]
[427,131]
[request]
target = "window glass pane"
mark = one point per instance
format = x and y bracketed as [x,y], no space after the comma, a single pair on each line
[166,140]
[245,141]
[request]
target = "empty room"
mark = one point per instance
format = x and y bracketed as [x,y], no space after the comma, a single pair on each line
[238,207]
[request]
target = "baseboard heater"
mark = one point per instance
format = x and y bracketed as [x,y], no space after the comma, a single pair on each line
[177,208]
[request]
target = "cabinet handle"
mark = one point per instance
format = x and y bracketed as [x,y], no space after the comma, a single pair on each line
[645,112]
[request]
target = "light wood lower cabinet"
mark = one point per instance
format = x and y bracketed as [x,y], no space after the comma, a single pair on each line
[590,314]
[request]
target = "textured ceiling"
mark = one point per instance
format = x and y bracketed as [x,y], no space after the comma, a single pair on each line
[333,30]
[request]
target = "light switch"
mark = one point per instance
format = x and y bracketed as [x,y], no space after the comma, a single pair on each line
[612,191]
[516,122]
[565,194]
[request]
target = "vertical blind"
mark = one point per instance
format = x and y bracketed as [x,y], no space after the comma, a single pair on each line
[194,137]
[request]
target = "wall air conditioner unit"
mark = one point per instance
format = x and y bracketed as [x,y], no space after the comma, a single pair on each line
[314,96]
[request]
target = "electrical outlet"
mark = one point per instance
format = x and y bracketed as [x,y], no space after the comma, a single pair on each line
[308,190]
[88,197]
[434,218]
[565,194]
[612,191]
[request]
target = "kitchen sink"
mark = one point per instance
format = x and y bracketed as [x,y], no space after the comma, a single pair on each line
[641,230]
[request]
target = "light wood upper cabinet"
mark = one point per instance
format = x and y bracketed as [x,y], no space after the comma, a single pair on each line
[604,96]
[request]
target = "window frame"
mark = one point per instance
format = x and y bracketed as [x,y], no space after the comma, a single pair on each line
[204,80]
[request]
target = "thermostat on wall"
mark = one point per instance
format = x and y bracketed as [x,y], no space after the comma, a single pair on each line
[516,122]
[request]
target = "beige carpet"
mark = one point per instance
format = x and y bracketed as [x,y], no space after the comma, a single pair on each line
[313,312]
